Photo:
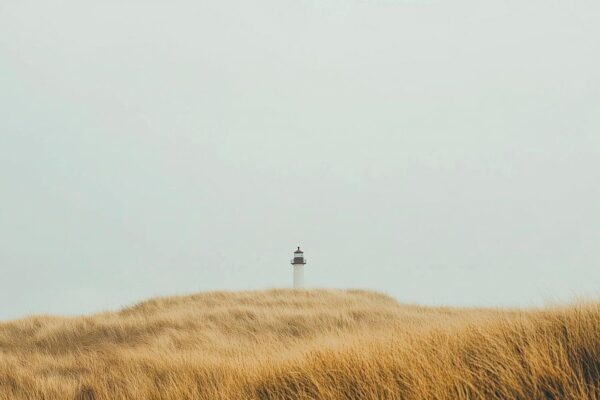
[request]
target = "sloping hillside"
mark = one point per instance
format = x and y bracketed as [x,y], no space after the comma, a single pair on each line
[318,344]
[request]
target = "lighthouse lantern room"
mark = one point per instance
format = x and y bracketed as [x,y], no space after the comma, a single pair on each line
[298,262]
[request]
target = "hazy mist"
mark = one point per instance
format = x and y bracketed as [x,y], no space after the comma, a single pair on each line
[444,152]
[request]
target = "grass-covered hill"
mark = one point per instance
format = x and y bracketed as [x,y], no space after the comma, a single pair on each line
[315,344]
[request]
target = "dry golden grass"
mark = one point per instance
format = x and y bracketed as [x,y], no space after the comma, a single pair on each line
[318,344]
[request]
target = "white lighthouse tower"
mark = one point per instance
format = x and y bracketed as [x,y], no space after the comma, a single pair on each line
[298,262]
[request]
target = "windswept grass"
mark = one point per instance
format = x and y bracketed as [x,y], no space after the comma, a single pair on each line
[318,344]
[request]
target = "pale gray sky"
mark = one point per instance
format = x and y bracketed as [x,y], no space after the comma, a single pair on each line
[444,152]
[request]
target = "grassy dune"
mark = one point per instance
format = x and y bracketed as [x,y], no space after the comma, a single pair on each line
[319,344]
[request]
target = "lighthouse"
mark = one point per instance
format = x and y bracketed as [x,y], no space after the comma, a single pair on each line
[298,262]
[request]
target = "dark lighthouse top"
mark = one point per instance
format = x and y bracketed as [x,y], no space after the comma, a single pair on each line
[299,257]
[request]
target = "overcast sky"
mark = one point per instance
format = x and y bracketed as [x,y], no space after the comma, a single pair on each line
[444,152]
